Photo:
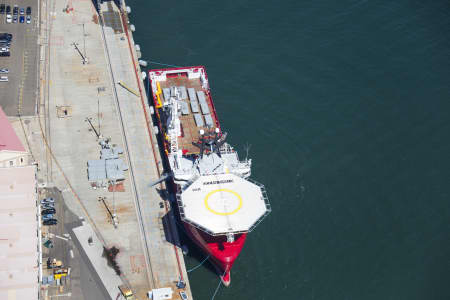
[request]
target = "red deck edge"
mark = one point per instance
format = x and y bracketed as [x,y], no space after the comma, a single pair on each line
[208,92]
[223,254]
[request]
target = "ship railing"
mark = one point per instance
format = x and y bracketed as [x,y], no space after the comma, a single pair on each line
[265,198]
[180,206]
[209,231]
[191,181]
[226,149]
[178,195]
[198,226]
[240,166]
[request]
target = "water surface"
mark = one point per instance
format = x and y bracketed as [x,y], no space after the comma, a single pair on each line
[346,107]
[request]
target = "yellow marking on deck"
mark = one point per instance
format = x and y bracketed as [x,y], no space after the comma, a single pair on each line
[127,88]
[158,95]
[221,213]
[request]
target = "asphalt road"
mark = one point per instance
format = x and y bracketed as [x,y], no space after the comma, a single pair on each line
[83,283]
[19,94]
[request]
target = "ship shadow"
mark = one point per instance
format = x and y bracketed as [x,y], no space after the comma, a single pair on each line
[194,252]
[169,226]
[97,3]
[171,221]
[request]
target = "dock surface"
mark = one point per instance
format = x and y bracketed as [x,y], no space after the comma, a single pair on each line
[87,54]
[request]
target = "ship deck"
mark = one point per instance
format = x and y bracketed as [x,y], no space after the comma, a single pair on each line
[190,130]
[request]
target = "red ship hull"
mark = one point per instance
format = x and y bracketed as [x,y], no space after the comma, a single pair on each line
[222,253]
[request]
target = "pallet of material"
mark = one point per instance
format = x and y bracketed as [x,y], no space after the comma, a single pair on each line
[184,108]
[199,120]
[194,106]
[209,120]
[183,92]
[204,107]
[192,94]
[201,96]
[166,92]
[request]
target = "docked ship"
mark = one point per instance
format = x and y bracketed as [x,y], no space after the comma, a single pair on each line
[218,204]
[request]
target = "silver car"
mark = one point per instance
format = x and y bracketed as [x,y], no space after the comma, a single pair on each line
[4,71]
[47,200]
[47,205]
[47,217]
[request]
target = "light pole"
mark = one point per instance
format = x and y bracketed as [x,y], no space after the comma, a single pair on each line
[84,42]
[98,113]
[114,205]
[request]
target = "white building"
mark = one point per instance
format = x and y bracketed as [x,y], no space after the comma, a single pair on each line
[12,152]
[20,251]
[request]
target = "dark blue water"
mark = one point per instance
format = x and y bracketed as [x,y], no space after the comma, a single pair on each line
[346,106]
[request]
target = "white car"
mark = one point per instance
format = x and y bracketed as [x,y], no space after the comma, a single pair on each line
[3,78]
[28,20]
[8,18]
[47,200]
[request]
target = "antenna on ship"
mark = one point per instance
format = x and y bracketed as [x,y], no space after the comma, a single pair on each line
[247,149]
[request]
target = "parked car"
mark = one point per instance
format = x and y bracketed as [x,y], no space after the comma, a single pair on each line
[47,206]
[48,211]
[28,19]
[29,10]
[3,78]
[4,71]
[2,8]
[183,295]
[47,203]
[47,217]
[48,244]
[22,19]
[8,9]
[6,36]
[4,49]
[16,10]
[8,18]
[5,53]
[48,200]
[14,18]
[22,11]
[50,222]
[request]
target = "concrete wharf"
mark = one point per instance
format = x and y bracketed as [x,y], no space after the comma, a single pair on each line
[85,52]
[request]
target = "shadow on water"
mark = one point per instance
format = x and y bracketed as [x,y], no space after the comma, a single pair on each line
[194,252]
[97,3]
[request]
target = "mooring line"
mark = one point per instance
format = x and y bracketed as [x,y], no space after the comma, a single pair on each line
[158,63]
[196,267]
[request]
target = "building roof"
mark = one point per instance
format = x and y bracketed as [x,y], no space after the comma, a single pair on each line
[18,234]
[8,137]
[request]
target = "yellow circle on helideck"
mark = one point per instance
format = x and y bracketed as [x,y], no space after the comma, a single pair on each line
[221,213]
